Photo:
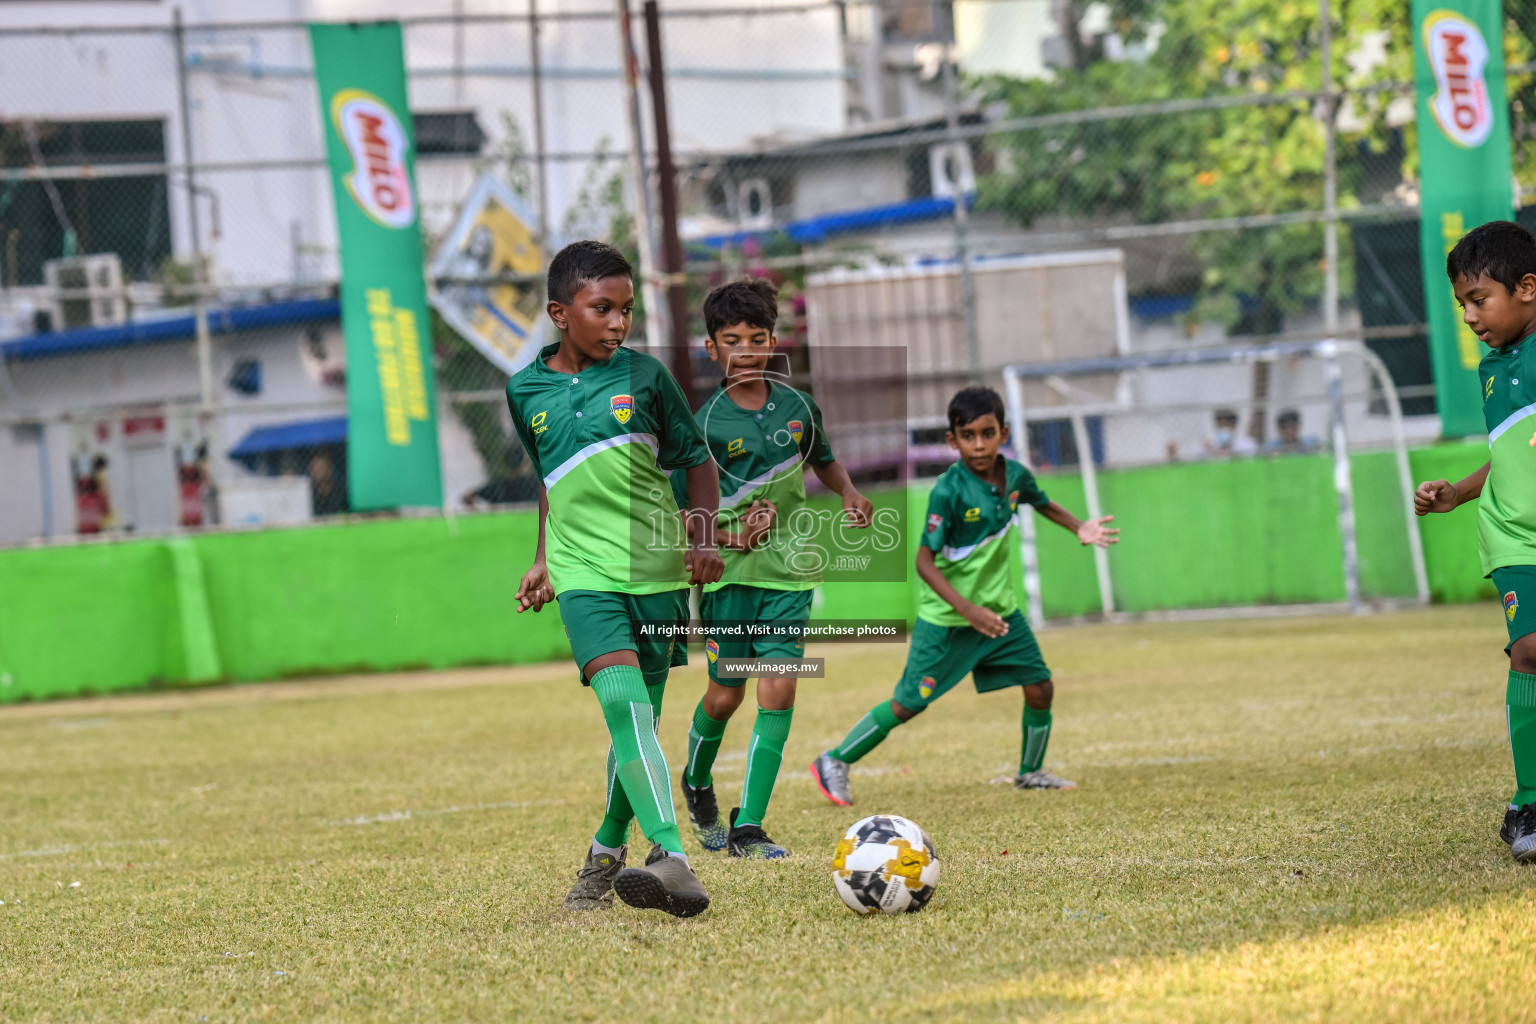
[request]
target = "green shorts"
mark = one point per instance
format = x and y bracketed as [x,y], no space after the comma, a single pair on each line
[739,603]
[941,656]
[1517,592]
[601,622]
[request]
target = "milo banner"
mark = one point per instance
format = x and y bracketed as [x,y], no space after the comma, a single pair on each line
[391,419]
[1465,176]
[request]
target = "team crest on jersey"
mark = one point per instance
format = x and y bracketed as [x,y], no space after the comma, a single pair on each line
[1511,605]
[973,515]
[1013,500]
[622,407]
[711,651]
[796,430]
[934,522]
[925,688]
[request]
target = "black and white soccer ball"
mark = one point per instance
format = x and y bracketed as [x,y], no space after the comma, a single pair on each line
[887,864]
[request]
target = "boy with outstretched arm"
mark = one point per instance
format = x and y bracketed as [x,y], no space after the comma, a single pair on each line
[762,433]
[968,619]
[603,425]
[1493,273]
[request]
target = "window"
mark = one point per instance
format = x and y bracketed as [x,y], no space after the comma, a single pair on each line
[454,133]
[127,215]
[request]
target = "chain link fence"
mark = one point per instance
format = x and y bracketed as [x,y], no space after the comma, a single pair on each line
[983,182]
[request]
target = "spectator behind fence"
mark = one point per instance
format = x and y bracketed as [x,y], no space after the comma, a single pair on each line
[1288,436]
[327,495]
[1224,443]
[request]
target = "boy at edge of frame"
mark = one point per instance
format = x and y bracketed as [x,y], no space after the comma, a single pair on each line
[762,434]
[603,425]
[1493,273]
[968,618]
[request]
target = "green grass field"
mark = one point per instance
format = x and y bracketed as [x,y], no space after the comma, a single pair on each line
[1288,819]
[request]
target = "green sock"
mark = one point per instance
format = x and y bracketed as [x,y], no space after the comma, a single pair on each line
[868,734]
[1037,733]
[1520,710]
[703,744]
[765,753]
[640,768]
[617,813]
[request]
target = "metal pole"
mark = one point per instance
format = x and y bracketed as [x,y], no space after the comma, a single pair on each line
[1343,482]
[541,164]
[1029,554]
[1330,179]
[666,190]
[962,215]
[200,299]
[629,70]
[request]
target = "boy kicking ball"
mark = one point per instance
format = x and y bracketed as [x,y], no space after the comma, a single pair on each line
[1493,272]
[603,425]
[762,433]
[968,620]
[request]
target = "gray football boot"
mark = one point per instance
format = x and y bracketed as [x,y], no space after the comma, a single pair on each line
[831,777]
[667,884]
[594,882]
[1041,780]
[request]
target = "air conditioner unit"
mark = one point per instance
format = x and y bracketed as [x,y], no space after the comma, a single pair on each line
[86,291]
[754,204]
[950,170]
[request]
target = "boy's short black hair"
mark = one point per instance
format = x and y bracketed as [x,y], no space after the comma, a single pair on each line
[1226,416]
[971,404]
[753,301]
[1288,416]
[581,263]
[1502,249]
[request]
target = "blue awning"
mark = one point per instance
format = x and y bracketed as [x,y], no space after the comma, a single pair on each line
[288,436]
[175,328]
[818,229]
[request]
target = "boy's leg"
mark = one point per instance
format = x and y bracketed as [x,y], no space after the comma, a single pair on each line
[1517,585]
[640,768]
[721,699]
[613,833]
[788,611]
[1014,659]
[940,657]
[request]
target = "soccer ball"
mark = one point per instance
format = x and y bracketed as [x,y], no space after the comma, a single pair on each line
[886,864]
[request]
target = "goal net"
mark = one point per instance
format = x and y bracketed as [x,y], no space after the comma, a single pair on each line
[1246,476]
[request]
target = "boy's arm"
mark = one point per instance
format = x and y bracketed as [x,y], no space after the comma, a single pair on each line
[984,620]
[702,560]
[856,508]
[1089,531]
[1442,496]
[757,520]
[534,591]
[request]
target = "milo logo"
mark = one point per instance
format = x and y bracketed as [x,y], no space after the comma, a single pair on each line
[377,143]
[1457,54]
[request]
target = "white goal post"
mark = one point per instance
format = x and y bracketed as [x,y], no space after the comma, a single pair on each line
[1123,391]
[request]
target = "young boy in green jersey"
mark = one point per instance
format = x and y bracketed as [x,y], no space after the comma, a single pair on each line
[603,425]
[762,433]
[968,620]
[1493,273]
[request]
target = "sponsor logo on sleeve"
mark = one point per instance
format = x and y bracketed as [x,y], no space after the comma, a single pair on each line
[934,522]
[622,407]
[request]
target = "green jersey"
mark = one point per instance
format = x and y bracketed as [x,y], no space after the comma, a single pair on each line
[602,441]
[1506,512]
[761,454]
[969,522]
